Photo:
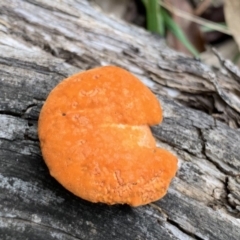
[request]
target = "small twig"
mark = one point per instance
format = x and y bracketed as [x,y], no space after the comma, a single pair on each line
[195,19]
[203,6]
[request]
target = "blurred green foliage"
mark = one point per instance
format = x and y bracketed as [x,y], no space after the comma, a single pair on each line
[159,20]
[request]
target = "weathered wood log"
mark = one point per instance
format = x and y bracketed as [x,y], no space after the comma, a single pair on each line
[41,43]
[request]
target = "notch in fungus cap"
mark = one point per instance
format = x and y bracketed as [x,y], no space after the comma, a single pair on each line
[96,141]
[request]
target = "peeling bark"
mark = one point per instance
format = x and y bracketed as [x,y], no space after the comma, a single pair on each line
[41,43]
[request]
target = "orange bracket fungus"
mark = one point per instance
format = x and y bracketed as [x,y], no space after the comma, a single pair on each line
[96,141]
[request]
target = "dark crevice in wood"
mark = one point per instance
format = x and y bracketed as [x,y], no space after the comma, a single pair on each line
[30,124]
[229,206]
[10,113]
[44,6]
[27,65]
[77,60]
[27,137]
[23,147]
[9,150]
[23,113]
[24,65]
[39,99]
[218,166]
[175,147]
[190,234]
[38,225]
[224,199]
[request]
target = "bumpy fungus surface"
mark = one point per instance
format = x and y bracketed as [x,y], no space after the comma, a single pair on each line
[96,141]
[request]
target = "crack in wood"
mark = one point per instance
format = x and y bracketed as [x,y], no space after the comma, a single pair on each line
[23,114]
[191,234]
[10,113]
[55,9]
[230,207]
[22,64]
[174,223]
[16,220]
[204,142]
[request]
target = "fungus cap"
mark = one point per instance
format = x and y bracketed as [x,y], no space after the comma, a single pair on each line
[96,141]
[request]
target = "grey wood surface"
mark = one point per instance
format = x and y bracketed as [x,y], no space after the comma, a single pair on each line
[41,43]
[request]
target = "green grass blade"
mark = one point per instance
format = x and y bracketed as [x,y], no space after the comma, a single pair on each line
[145,3]
[155,22]
[161,22]
[177,31]
[206,28]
